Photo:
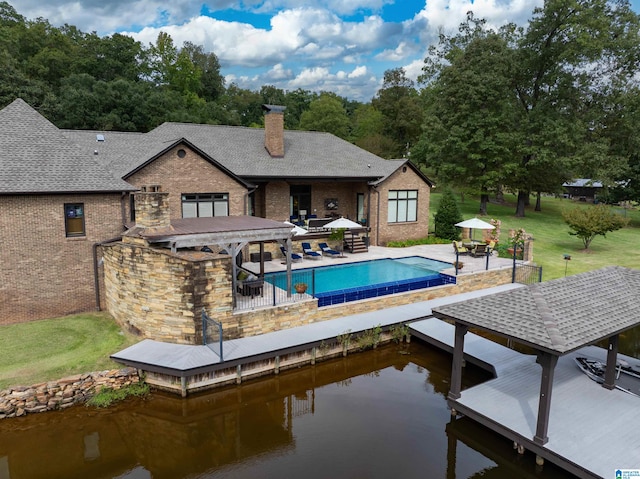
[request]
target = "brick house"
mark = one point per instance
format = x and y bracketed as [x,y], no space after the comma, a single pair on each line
[64,191]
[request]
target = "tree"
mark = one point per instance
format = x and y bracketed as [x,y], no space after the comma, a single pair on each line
[398,101]
[573,56]
[587,223]
[447,216]
[327,113]
[470,127]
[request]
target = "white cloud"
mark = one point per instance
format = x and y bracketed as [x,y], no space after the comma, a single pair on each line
[306,45]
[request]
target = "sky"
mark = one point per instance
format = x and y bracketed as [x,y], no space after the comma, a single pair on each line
[342,46]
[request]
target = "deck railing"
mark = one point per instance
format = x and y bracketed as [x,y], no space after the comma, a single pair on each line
[212,334]
[275,290]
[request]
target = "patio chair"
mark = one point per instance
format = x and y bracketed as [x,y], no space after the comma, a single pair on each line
[328,251]
[306,248]
[479,250]
[491,246]
[249,284]
[458,248]
[294,256]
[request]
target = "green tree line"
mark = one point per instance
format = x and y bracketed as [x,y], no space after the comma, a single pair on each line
[519,109]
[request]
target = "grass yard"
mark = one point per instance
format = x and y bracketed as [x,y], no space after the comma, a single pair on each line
[551,235]
[54,348]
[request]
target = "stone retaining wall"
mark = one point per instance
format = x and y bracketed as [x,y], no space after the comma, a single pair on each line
[63,393]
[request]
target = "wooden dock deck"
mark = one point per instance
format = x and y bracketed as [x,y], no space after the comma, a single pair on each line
[592,431]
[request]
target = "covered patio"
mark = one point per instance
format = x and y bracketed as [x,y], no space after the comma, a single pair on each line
[555,319]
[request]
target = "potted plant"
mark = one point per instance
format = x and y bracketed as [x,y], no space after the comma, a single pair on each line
[300,288]
[458,265]
[517,239]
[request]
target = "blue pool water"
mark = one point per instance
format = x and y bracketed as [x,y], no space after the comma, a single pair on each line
[367,279]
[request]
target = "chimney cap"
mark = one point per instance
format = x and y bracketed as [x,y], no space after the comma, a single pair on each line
[274,108]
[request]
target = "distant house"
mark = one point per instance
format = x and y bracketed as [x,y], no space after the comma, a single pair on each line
[582,189]
[62,192]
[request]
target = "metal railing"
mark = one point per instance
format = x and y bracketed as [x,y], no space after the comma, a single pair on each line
[212,334]
[526,274]
[274,289]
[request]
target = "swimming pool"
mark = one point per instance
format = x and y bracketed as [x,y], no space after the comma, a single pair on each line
[366,279]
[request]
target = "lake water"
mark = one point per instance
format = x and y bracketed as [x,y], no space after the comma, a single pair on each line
[378,414]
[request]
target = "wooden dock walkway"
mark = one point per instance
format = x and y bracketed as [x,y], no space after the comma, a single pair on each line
[592,431]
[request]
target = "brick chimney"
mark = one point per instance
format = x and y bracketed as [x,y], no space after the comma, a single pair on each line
[274,130]
[152,207]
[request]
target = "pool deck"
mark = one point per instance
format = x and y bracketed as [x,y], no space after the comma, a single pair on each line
[440,252]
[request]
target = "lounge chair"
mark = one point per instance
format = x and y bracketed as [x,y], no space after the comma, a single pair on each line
[306,248]
[294,256]
[479,250]
[458,248]
[328,251]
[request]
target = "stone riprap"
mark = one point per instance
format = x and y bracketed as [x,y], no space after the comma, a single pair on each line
[63,393]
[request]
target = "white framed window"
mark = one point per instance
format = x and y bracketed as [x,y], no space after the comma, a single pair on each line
[205,205]
[403,206]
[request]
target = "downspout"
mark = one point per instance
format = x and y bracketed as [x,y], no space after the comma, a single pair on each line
[96,279]
[377,217]
[246,200]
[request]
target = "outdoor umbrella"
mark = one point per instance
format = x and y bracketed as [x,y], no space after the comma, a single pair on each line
[296,230]
[341,224]
[475,224]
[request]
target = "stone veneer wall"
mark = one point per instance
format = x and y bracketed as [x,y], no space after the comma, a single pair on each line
[160,295]
[63,393]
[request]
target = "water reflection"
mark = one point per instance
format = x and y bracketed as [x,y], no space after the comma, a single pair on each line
[378,414]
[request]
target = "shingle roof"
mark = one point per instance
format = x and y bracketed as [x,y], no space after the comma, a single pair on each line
[35,157]
[241,150]
[558,316]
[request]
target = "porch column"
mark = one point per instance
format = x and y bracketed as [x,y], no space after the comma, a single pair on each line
[612,358]
[548,363]
[458,358]
[288,249]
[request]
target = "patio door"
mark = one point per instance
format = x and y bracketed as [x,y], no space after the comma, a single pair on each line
[299,200]
[360,208]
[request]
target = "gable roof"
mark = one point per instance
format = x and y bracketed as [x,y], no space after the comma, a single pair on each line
[35,157]
[308,154]
[557,316]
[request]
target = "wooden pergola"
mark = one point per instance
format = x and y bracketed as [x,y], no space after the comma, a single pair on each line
[231,233]
[554,318]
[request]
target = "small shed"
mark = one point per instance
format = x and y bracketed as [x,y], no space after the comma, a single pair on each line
[554,318]
[582,189]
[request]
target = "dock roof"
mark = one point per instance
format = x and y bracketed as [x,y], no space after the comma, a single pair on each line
[557,316]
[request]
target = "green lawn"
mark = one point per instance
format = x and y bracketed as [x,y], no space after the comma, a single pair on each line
[54,348]
[551,235]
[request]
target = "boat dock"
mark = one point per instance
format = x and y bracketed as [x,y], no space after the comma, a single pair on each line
[592,431]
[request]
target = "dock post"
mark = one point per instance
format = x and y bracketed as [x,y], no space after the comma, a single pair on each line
[276,365]
[238,374]
[458,361]
[610,370]
[183,386]
[313,356]
[539,460]
[548,363]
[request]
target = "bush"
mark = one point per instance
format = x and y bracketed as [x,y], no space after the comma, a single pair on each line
[108,396]
[447,216]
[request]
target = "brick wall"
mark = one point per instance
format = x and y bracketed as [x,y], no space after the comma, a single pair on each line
[190,174]
[44,274]
[400,180]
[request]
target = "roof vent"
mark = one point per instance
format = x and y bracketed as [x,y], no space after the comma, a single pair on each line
[95,152]
[100,137]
